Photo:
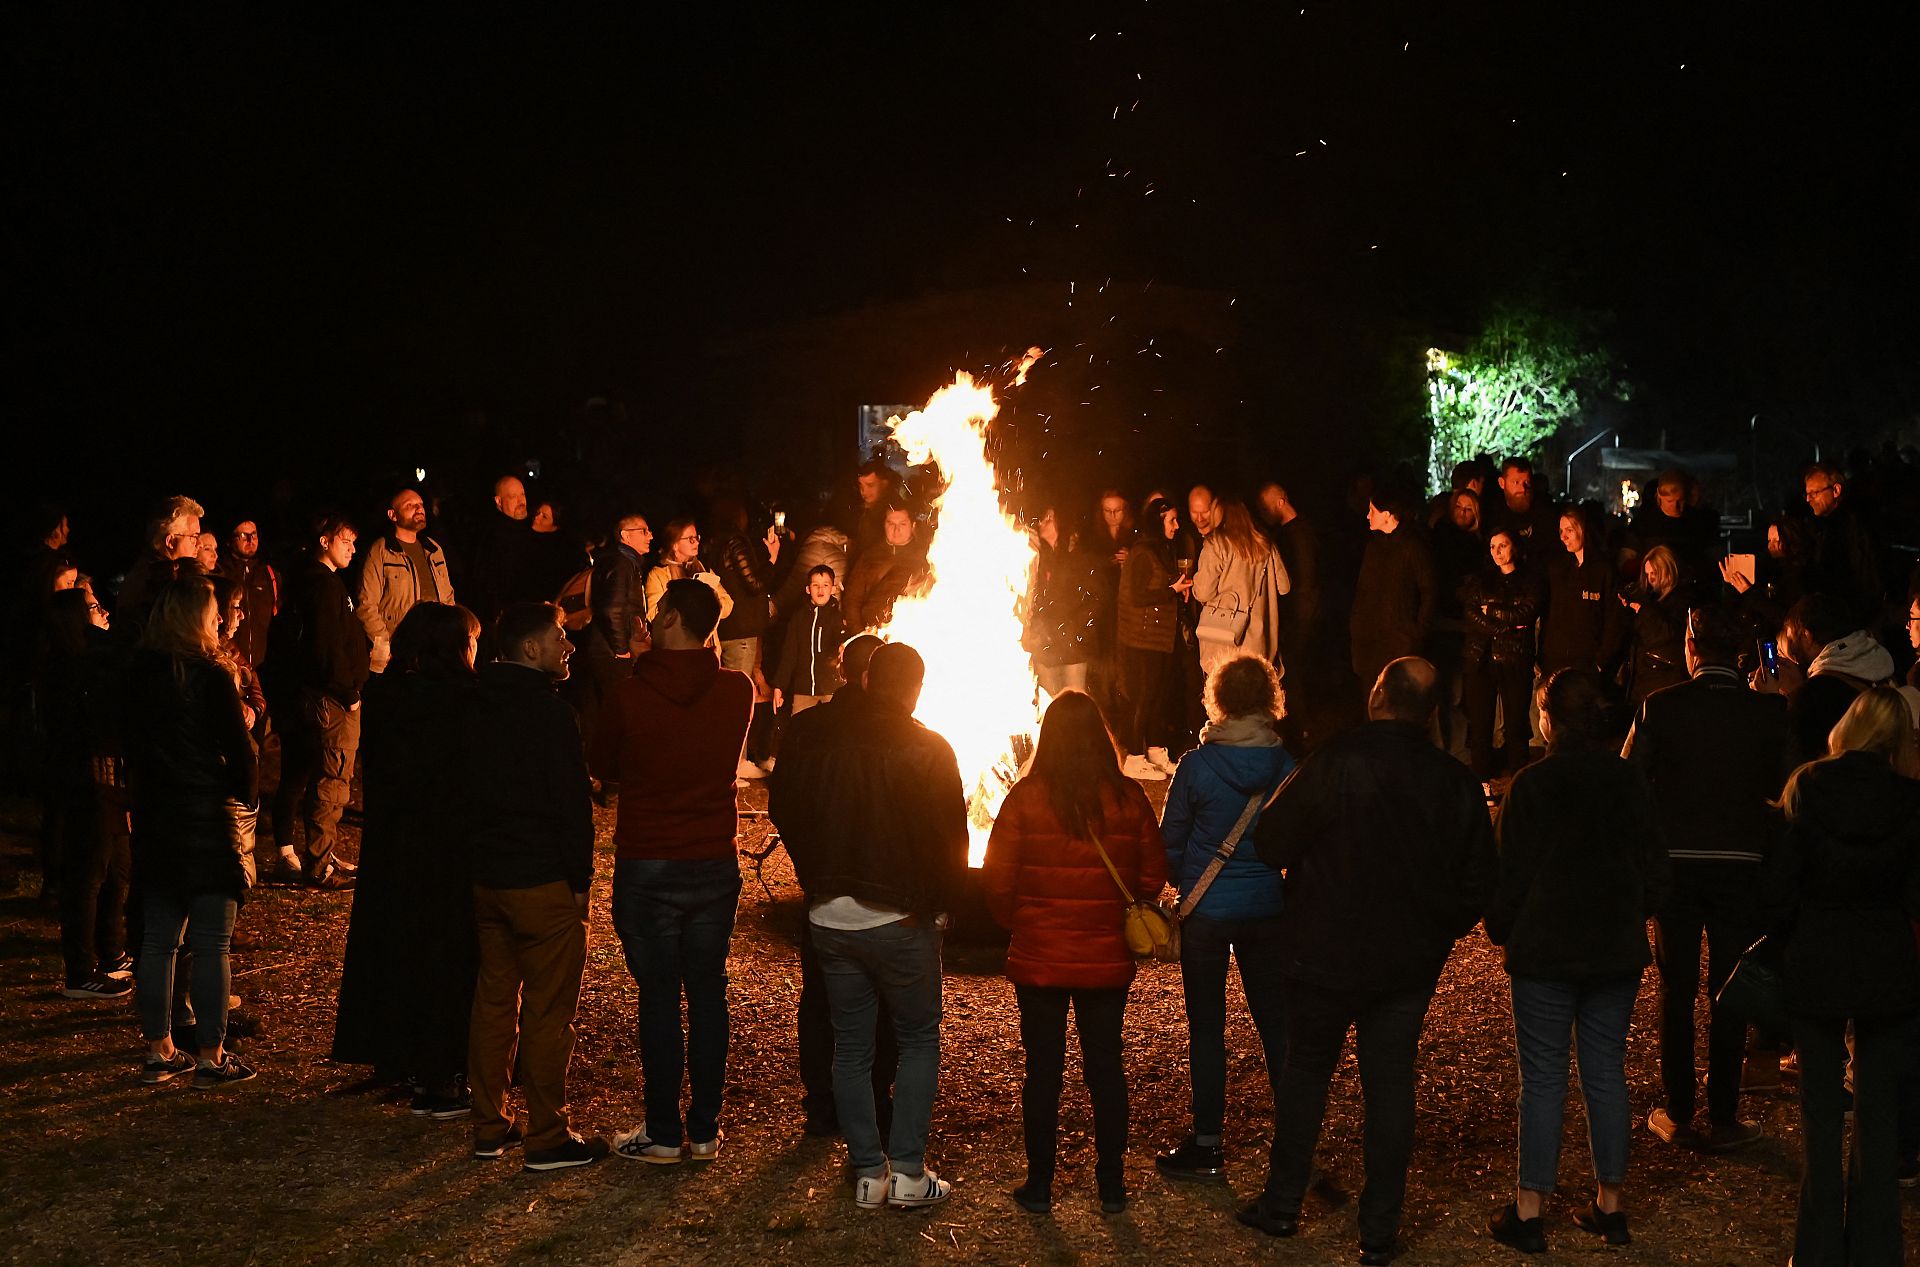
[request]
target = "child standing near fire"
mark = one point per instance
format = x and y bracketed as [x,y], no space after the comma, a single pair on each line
[809,665]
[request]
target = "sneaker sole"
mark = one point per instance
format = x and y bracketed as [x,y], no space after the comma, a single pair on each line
[161,1079]
[569,1164]
[918,1203]
[214,1084]
[97,996]
[673,1160]
[449,1115]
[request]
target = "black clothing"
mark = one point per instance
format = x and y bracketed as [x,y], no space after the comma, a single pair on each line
[1581,869]
[1844,887]
[1300,621]
[747,575]
[1389,858]
[140,587]
[323,645]
[526,810]
[1715,753]
[1500,610]
[1061,606]
[1694,539]
[1846,563]
[406,984]
[259,597]
[191,773]
[808,663]
[1720,902]
[1816,708]
[1659,642]
[1097,1018]
[499,567]
[1393,602]
[619,601]
[1583,625]
[1511,685]
[1458,556]
[1536,528]
[870,805]
[1849,1210]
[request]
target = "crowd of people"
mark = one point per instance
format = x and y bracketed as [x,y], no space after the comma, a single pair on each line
[1719,744]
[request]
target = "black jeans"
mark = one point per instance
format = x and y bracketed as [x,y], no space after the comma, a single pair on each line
[1386,1027]
[95,861]
[1205,947]
[1144,675]
[1856,1218]
[1717,904]
[815,1025]
[1511,684]
[1098,1016]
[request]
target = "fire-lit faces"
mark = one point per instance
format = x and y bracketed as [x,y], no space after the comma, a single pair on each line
[1049,529]
[1776,544]
[1652,577]
[409,511]
[1823,494]
[1913,624]
[337,551]
[686,546]
[899,528]
[510,497]
[1170,523]
[1202,509]
[246,538]
[543,520]
[1516,486]
[1500,547]
[1465,511]
[1573,534]
[210,621]
[208,554]
[236,612]
[96,611]
[57,539]
[65,579]
[820,590]
[1113,513]
[549,652]
[1673,498]
[1381,520]
[635,535]
[183,537]
[869,485]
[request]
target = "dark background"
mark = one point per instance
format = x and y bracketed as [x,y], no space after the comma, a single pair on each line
[256,249]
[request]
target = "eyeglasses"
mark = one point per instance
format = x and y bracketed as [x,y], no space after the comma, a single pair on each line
[625,531]
[94,607]
[694,537]
[1815,492]
[247,536]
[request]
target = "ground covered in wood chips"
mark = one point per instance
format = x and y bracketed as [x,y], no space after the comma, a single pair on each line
[308,1164]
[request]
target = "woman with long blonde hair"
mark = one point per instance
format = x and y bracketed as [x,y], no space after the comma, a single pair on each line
[1843,891]
[1238,581]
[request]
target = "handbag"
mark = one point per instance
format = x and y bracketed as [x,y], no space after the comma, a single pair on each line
[1151,930]
[1219,623]
[1755,992]
[1220,855]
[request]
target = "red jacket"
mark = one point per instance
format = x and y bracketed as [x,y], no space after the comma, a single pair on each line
[671,737]
[1054,893]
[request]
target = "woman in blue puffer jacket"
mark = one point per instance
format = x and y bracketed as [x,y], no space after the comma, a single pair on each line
[1238,912]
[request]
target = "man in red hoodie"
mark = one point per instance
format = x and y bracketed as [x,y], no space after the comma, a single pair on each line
[671,736]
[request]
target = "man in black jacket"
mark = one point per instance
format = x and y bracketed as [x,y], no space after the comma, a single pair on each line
[530,818]
[617,631]
[1716,754]
[1390,859]
[329,663]
[259,589]
[1394,598]
[870,805]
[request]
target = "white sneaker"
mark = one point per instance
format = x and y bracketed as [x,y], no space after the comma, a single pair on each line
[748,770]
[870,1191]
[1138,767]
[1158,757]
[913,1191]
[707,1151]
[635,1145]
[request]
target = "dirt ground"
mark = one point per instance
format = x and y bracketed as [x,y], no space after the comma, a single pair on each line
[309,1164]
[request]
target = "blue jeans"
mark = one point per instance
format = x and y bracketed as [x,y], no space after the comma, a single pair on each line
[1205,946]
[901,964]
[675,920]
[1548,1018]
[206,919]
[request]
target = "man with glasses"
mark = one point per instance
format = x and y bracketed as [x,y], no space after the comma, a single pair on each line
[259,590]
[617,629]
[1846,559]
[173,541]
[1716,754]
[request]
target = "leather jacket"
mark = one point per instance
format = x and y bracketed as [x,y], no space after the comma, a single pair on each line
[1501,609]
[619,606]
[748,575]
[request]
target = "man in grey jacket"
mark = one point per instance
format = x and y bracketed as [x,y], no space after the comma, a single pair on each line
[400,569]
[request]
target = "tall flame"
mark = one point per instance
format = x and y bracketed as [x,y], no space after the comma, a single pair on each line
[980,690]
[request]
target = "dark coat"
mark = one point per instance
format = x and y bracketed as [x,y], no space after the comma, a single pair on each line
[1715,753]
[809,659]
[1050,889]
[870,805]
[1149,610]
[1060,607]
[1843,890]
[1816,708]
[1389,859]
[406,984]
[1393,602]
[1846,562]
[193,776]
[619,602]
[748,575]
[1581,869]
[1583,625]
[1659,643]
[1501,609]
[881,575]
[526,807]
[1300,606]
[498,566]
[260,593]
[323,645]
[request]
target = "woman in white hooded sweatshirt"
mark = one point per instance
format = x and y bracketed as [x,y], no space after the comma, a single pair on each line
[1238,581]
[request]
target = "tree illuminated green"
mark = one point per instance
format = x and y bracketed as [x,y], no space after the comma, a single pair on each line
[1525,375]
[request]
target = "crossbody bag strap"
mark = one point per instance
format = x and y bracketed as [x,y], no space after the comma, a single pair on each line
[1220,855]
[1118,882]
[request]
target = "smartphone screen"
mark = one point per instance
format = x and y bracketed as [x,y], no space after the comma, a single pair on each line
[1770,656]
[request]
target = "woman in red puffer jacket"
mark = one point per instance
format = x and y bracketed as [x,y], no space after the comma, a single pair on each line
[1045,881]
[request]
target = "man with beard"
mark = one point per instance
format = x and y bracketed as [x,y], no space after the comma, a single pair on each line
[402,568]
[259,590]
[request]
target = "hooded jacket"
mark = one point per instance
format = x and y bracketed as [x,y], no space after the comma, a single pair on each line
[1052,891]
[527,806]
[1210,791]
[809,660]
[1844,888]
[672,737]
[1842,669]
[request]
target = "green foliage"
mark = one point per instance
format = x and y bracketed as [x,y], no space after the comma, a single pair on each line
[1524,375]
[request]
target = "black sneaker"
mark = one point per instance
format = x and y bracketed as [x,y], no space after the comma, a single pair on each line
[121,967]
[1610,1227]
[154,1070]
[1378,1255]
[1529,1236]
[330,879]
[1192,1161]
[227,1072]
[441,1108]
[99,986]
[574,1152]
[1034,1198]
[285,871]
[1263,1218]
[1909,1173]
[493,1149]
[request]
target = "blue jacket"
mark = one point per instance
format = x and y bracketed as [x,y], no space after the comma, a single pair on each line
[1210,791]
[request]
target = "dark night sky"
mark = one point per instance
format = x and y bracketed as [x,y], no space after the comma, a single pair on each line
[278,238]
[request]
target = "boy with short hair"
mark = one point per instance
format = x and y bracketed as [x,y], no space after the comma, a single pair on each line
[809,669]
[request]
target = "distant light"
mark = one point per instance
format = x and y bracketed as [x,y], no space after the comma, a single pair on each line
[419,474]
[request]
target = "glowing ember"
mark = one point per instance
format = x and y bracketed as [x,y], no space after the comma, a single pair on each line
[980,688]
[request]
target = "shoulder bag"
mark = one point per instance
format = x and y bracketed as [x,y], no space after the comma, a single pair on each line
[1754,991]
[1220,855]
[1221,623]
[1151,930]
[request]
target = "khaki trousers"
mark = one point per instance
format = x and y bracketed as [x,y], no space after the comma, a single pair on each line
[533,950]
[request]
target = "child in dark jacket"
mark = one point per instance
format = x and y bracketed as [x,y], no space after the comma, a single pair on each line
[809,665]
